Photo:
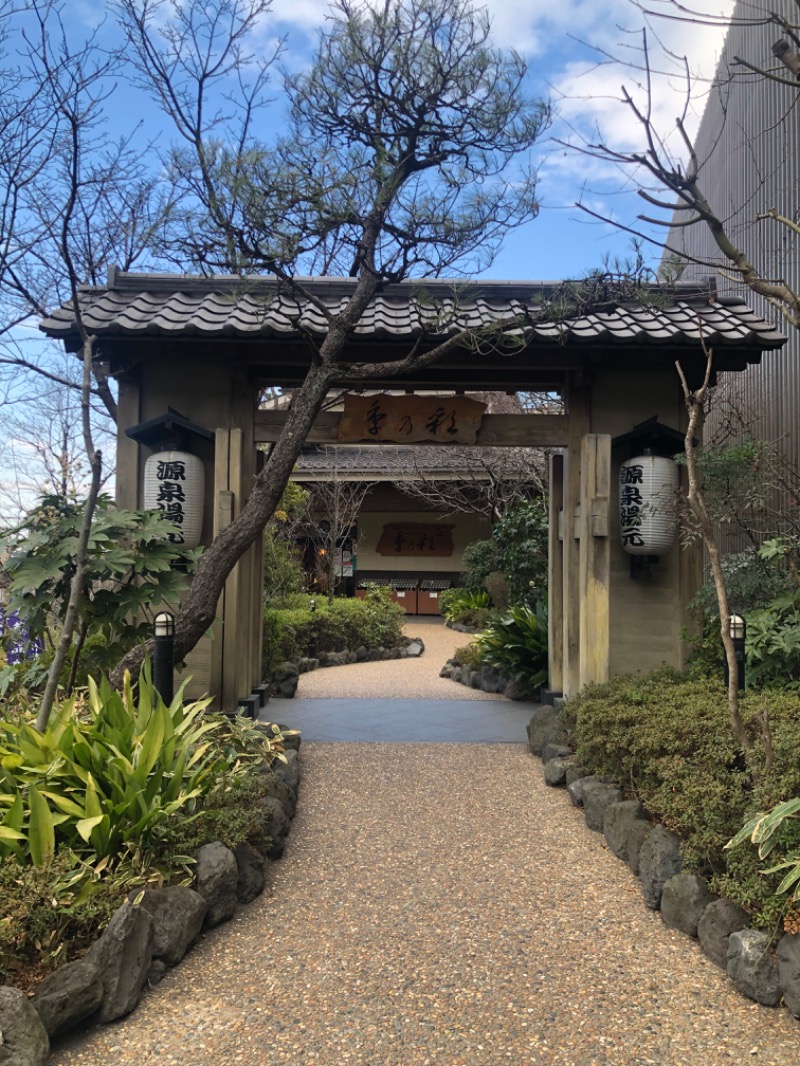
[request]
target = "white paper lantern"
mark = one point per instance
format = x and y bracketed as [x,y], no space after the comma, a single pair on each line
[647,495]
[173,483]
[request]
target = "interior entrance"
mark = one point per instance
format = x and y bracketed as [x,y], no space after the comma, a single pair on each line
[207,347]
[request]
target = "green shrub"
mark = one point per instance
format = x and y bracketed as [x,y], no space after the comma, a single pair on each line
[667,740]
[108,774]
[479,560]
[522,545]
[773,643]
[516,645]
[372,622]
[460,605]
[496,584]
[755,588]
[467,655]
[132,566]
[47,916]
[116,793]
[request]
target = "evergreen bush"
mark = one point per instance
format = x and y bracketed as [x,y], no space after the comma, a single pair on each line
[666,739]
[343,624]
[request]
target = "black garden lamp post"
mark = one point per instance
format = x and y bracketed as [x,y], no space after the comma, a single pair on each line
[163,643]
[737,631]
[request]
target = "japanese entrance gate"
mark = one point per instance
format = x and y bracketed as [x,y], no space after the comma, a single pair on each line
[206,348]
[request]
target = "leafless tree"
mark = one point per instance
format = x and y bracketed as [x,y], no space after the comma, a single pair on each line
[72,201]
[65,184]
[42,451]
[484,481]
[672,180]
[330,519]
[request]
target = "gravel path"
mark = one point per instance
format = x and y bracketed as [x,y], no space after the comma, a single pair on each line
[397,678]
[438,904]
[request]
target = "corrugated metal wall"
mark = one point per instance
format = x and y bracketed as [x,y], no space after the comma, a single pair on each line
[749,149]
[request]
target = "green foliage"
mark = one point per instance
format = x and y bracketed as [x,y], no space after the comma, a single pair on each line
[118,792]
[751,583]
[522,544]
[107,775]
[132,565]
[478,561]
[47,916]
[228,813]
[773,643]
[292,633]
[284,576]
[468,655]
[466,607]
[773,830]
[496,584]
[516,645]
[766,594]
[667,740]
[103,776]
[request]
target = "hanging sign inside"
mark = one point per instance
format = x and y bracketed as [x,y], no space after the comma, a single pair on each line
[411,419]
[416,538]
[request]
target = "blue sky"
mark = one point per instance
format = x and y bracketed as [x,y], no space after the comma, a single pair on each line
[567,44]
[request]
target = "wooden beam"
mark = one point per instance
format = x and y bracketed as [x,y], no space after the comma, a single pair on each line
[497,431]
[129,458]
[234,601]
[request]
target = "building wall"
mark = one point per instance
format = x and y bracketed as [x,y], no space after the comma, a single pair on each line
[749,153]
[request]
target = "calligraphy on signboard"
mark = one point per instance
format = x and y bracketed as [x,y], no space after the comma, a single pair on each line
[411,419]
[416,538]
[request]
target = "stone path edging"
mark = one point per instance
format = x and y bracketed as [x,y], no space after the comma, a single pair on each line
[683,900]
[286,675]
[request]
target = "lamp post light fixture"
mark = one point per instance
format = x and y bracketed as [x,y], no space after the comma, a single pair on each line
[163,654]
[312,604]
[737,631]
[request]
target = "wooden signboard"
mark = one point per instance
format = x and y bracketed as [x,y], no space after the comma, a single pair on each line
[411,419]
[416,538]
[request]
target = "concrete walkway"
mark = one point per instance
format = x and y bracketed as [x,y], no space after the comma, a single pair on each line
[404,721]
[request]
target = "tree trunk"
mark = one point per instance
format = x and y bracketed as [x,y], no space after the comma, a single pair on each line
[76,592]
[694,405]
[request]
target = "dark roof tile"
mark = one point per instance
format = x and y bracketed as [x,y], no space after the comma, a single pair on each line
[152,305]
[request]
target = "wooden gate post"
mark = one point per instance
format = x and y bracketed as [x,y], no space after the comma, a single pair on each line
[555,576]
[578,407]
[595,558]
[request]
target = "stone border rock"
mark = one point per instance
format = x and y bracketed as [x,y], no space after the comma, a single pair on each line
[459,628]
[485,678]
[763,974]
[286,675]
[152,931]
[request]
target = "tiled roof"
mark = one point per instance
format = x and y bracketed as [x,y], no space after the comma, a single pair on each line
[161,305]
[376,460]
